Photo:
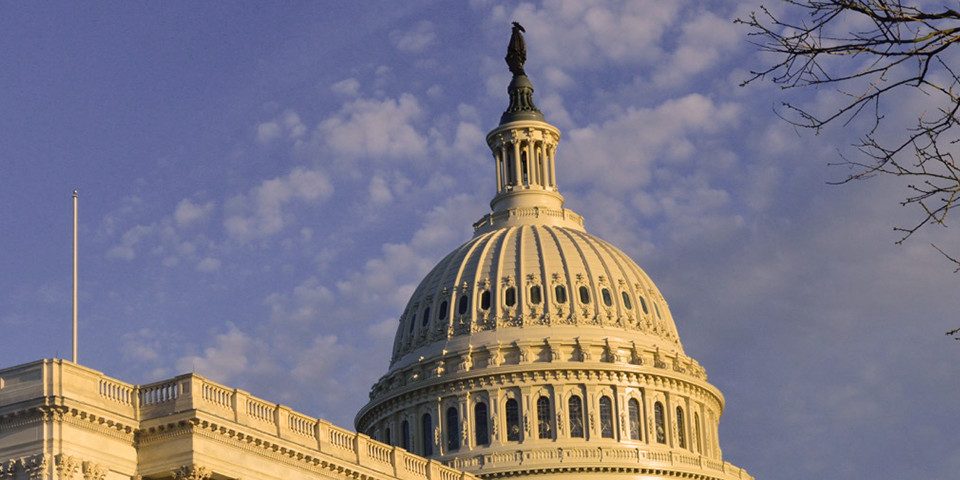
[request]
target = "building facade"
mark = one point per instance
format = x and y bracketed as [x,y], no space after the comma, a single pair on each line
[533,350]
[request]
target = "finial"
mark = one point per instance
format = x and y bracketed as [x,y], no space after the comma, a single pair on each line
[520,89]
[516,51]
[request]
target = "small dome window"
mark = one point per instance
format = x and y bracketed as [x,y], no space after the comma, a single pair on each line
[485,300]
[463,305]
[560,293]
[426,317]
[413,320]
[584,294]
[626,300]
[643,304]
[510,296]
[443,310]
[535,296]
[607,299]
[657,308]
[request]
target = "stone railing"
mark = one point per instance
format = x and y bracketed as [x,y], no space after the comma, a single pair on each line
[25,384]
[585,457]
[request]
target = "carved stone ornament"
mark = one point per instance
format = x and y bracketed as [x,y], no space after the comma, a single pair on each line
[36,466]
[191,472]
[66,466]
[94,471]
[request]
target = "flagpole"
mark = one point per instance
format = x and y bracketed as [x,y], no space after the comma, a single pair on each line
[75,199]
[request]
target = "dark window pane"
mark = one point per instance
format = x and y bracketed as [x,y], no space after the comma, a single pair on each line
[575,407]
[561,293]
[681,433]
[660,424]
[656,307]
[606,417]
[443,310]
[480,424]
[453,429]
[543,418]
[510,297]
[386,437]
[634,411]
[413,320]
[643,304]
[584,295]
[513,420]
[535,297]
[405,439]
[626,300]
[463,305]
[607,299]
[485,300]
[426,433]
[426,317]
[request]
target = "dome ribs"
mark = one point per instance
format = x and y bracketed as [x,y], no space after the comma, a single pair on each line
[564,267]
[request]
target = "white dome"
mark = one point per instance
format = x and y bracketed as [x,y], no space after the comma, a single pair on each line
[533,282]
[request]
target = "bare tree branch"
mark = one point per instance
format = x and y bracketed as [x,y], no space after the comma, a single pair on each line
[894,48]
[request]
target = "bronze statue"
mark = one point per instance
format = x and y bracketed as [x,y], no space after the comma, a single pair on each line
[516,51]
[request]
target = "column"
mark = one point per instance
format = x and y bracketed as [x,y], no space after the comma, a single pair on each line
[516,161]
[530,161]
[496,160]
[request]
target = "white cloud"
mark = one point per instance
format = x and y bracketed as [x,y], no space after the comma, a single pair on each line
[288,123]
[379,191]
[127,249]
[705,39]
[348,86]
[421,36]
[208,265]
[188,212]
[369,127]
[260,213]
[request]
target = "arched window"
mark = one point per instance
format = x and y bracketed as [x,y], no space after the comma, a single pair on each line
[656,306]
[510,296]
[697,440]
[426,317]
[575,408]
[606,417]
[485,300]
[681,433]
[463,305]
[626,300]
[633,407]
[560,293]
[511,180]
[643,304]
[523,167]
[481,435]
[443,310]
[660,422]
[543,418]
[386,437]
[535,297]
[584,294]
[513,420]
[607,299]
[405,439]
[426,433]
[453,429]
[413,320]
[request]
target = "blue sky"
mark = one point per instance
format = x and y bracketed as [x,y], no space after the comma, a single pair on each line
[263,185]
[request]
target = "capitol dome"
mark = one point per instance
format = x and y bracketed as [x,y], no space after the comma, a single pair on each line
[536,349]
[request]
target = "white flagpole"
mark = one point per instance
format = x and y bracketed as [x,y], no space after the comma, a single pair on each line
[75,198]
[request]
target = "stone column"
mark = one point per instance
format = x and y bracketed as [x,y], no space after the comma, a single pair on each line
[496,160]
[516,161]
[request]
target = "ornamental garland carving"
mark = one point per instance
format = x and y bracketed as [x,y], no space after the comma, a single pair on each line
[66,466]
[191,472]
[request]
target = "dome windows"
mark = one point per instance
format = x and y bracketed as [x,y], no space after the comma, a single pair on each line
[453,429]
[481,435]
[426,317]
[463,305]
[633,408]
[626,300]
[543,418]
[443,310]
[643,305]
[560,294]
[584,294]
[513,420]
[510,296]
[657,308]
[681,433]
[426,433]
[605,295]
[485,300]
[535,296]
[575,407]
[405,439]
[606,417]
[660,423]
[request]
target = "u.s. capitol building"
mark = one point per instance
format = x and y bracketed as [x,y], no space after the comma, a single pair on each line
[535,349]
